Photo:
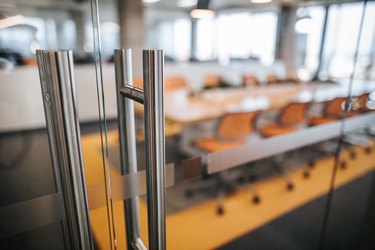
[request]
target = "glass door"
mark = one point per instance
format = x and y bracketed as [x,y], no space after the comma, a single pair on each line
[36,196]
[254,152]
[165,150]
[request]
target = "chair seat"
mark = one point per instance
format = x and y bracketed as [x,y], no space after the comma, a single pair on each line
[213,144]
[321,120]
[275,130]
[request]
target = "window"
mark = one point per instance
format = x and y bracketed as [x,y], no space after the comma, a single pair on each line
[309,30]
[205,39]
[174,37]
[342,33]
[247,36]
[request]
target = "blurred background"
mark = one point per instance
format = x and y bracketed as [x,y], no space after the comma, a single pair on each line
[269,120]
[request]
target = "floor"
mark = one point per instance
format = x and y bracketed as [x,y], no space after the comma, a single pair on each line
[195,224]
[282,220]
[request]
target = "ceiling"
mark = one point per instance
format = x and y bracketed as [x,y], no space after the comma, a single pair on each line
[162,4]
[162,8]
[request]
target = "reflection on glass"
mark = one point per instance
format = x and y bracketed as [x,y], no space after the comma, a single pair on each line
[309,27]
[340,47]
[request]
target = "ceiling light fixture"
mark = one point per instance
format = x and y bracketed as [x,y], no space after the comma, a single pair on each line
[186,3]
[261,1]
[150,1]
[202,10]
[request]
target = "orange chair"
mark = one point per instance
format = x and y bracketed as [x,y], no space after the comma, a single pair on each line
[174,83]
[271,79]
[233,130]
[333,110]
[212,81]
[290,117]
[250,80]
[358,107]
[360,104]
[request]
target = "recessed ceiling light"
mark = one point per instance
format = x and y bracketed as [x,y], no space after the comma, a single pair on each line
[186,3]
[150,1]
[202,13]
[261,1]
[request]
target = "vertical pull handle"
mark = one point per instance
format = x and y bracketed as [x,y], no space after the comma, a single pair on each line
[153,81]
[58,90]
[128,154]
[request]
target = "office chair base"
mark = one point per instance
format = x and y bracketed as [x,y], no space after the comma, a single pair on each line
[368,150]
[311,164]
[256,199]
[290,186]
[352,154]
[220,210]
[189,193]
[306,174]
[343,165]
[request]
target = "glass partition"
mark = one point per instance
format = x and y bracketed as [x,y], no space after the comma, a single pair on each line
[255,157]
[30,182]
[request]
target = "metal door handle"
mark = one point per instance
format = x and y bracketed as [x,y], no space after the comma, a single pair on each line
[60,106]
[152,96]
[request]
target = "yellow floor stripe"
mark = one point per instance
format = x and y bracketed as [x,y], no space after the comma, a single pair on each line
[199,227]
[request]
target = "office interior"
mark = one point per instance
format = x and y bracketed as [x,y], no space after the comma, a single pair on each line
[269,123]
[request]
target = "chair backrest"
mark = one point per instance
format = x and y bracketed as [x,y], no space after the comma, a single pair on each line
[361,102]
[249,80]
[272,78]
[174,83]
[335,107]
[237,125]
[293,114]
[212,81]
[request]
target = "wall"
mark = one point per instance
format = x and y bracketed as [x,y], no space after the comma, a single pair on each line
[21,106]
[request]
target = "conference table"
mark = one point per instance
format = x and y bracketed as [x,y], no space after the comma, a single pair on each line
[199,111]
[184,108]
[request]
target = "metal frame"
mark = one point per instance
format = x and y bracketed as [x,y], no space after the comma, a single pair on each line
[59,99]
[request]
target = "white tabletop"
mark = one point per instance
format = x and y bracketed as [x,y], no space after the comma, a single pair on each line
[209,104]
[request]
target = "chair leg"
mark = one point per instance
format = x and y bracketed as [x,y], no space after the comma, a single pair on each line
[306,172]
[255,197]
[367,143]
[286,176]
[331,152]
[220,202]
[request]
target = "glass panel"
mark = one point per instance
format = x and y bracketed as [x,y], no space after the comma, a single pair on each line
[47,237]
[27,178]
[348,217]
[26,171]
[239,185]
